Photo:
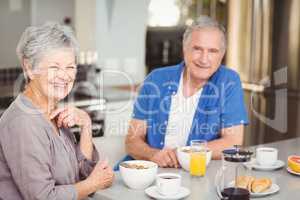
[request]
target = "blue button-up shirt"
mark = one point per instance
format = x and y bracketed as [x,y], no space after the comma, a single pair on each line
[221,104]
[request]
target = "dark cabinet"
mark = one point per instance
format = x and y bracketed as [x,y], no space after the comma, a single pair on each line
[163,46]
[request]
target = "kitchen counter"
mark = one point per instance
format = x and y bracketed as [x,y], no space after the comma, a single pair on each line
[78,97]
[204,187]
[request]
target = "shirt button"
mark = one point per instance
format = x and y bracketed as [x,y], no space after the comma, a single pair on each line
[162,143]
[169,87]
[165,122]
[242,121]
[173,93]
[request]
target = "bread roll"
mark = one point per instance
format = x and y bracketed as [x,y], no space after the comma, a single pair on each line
[261,185]
[250,183]
[244,182]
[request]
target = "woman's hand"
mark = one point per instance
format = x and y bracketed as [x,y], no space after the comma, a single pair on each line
[102,176]
[70,116]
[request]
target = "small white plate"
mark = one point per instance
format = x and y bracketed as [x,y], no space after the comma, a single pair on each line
[279,164]
[272,190]
[152,192]
[292,172]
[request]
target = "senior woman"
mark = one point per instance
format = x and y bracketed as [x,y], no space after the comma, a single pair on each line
[39,157]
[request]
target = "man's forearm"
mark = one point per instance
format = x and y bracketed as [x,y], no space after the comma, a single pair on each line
[229,137]
[218,145]
[135,142]
[140,150]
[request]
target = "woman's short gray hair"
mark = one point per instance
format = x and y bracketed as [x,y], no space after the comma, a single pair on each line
[37,40]
[204,22]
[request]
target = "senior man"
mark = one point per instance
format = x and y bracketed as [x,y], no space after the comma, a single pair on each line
[196,99]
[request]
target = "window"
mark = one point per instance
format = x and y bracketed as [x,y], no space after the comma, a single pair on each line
[163,13]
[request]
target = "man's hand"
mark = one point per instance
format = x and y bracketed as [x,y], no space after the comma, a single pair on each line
[165,158]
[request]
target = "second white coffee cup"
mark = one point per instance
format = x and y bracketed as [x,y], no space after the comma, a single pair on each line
[168,184]
[266,156]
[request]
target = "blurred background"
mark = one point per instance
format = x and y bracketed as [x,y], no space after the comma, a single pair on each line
[129,38]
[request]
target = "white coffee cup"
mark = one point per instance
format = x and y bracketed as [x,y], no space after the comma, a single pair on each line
[168,184]
[266,156]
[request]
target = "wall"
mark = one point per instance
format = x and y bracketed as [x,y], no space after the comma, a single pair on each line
[12,24]
[51,10]
[121,35]
[85,24]
[116,29]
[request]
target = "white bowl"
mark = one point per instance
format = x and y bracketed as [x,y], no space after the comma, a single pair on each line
[184,157]
[138,178]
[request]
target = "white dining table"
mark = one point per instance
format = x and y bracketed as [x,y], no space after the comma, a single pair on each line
[203,188]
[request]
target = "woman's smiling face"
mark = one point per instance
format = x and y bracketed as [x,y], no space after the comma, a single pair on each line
[54,74]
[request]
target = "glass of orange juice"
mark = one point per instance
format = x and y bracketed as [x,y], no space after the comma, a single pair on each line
[198,157]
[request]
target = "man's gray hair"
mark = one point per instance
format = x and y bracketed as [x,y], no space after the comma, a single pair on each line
[204,22]
[38,40]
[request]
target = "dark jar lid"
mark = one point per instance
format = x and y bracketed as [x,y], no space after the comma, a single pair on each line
[237,154]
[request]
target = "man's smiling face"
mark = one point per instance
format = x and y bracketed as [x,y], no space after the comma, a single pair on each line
[203,52]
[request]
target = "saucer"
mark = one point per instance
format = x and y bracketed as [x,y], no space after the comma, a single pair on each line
[279,164]
[292,172]
[152,192]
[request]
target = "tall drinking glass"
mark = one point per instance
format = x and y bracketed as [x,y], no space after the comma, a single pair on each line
[198,157]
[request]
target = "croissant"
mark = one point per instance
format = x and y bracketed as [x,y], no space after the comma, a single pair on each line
[244,182]
[261,185]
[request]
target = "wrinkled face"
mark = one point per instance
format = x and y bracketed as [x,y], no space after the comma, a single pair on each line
[203,52]
[54,74]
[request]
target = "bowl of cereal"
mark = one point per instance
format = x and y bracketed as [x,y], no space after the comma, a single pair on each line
[138,174]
